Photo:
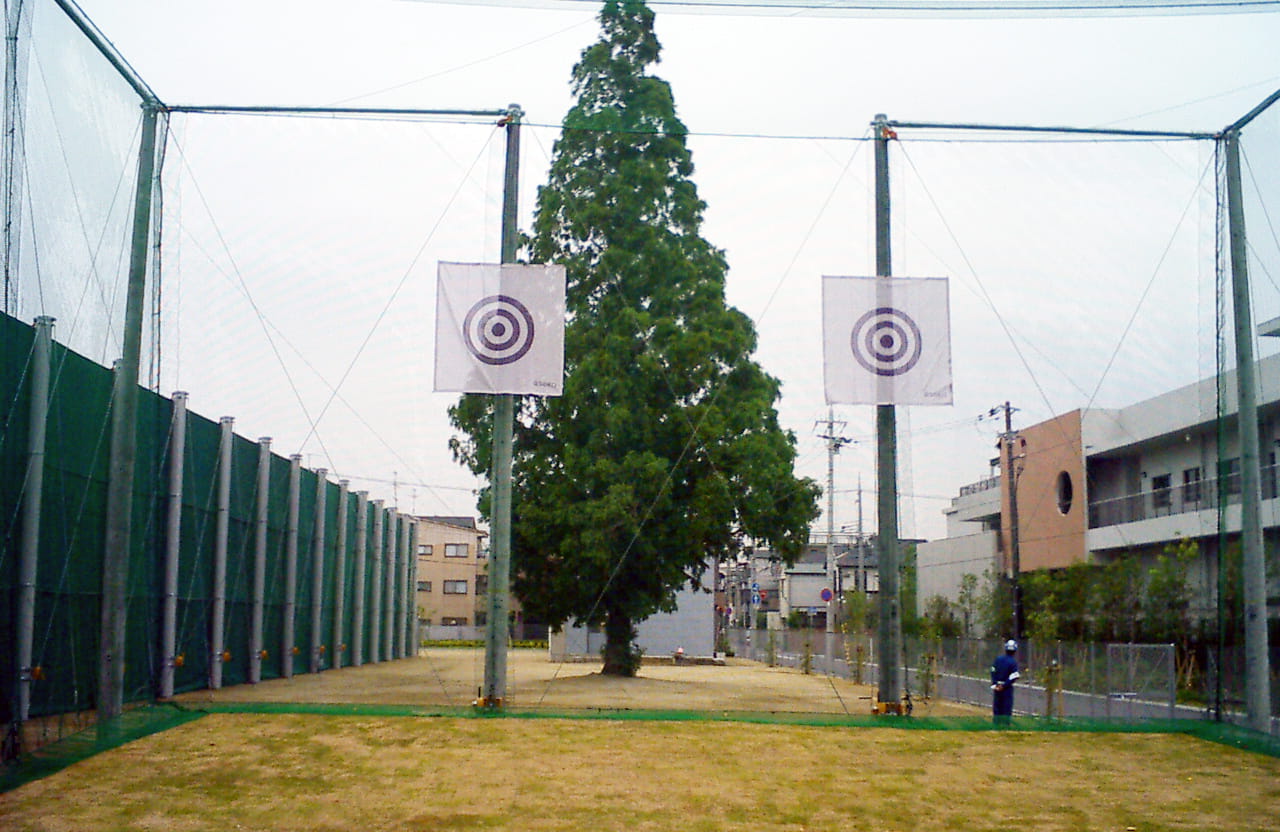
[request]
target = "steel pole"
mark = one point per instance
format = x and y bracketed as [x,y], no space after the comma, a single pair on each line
[290,567]
[32,497]
[404,637]
[1256,670]
[340,573]
[495,653]
[317,572]
[221,528]
[124,441]
[260,522]
[392,540]
[173,545]
[16,52]
[359,591]
[890,646]
[375,588]
[411,594]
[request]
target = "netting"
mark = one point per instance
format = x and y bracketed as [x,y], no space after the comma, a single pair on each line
[291,288]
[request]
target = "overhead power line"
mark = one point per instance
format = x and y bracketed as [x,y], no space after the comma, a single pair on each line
[921,8]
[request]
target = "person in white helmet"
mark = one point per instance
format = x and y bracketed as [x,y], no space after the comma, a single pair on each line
[1004,672]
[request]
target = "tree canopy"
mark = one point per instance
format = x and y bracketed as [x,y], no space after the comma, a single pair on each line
[664,451]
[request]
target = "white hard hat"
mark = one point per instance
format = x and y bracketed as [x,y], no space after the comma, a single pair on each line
[1010,646]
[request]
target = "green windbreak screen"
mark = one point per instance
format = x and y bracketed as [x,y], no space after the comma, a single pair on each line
[195,562]
[240,559]
[69,569]
[68,585]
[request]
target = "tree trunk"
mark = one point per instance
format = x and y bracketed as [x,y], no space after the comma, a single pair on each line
[621,656]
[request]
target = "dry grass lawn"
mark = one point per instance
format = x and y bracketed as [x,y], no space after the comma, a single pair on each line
[308,772]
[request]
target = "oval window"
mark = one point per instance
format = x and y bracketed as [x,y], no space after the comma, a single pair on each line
[1065,492]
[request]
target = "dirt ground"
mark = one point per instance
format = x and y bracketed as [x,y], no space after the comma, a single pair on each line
[453,678]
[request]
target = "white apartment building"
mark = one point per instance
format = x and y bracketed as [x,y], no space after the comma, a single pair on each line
[1095,485]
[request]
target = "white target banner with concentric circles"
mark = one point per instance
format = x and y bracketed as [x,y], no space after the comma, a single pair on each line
[886,340]
[500,329]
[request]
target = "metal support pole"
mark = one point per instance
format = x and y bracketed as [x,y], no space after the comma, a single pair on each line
[173,545]
[411,595]
[406,597]
[124,441]
[217,620]
[495,655]
[391,537]
[375,588]
[1256,669]
[340,574]
[317,573]
[290,567]
[17,47]
[359,592]
[397,588]
[256,617]
[32,497]
[890,646]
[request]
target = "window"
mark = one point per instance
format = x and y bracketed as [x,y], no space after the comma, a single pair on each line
[1066,492]
[424,586]
[424,550]
[455,587]
[453,622]
[1160,496]
[482,584]
[1191,485]
[456,550]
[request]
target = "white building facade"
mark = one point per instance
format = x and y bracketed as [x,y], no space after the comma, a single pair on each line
[1096,485]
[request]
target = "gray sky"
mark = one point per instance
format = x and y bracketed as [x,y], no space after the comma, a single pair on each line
[1054,249]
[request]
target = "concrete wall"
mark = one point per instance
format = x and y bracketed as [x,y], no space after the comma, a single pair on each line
[941,563]
[691,626]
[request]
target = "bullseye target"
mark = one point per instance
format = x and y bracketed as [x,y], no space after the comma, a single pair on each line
[498,330]
[886,341]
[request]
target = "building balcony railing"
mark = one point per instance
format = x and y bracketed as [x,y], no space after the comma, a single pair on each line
[1178,499]
[978,487]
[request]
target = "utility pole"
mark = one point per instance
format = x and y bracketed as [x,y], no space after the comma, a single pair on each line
[861,578]
[834,444]
[1015,558]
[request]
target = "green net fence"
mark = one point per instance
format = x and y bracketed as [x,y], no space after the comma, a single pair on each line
[66,645]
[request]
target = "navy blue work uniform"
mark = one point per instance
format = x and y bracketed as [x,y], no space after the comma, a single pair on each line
[1004,672]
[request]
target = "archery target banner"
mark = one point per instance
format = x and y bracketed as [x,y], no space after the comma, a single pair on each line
[886,340]
[500,329]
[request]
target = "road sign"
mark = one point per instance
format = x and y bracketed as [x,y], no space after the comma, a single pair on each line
[755,586]
[826,594]
[764,595]
[755,598]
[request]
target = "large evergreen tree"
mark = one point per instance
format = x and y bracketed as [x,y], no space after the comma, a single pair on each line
[665,449]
